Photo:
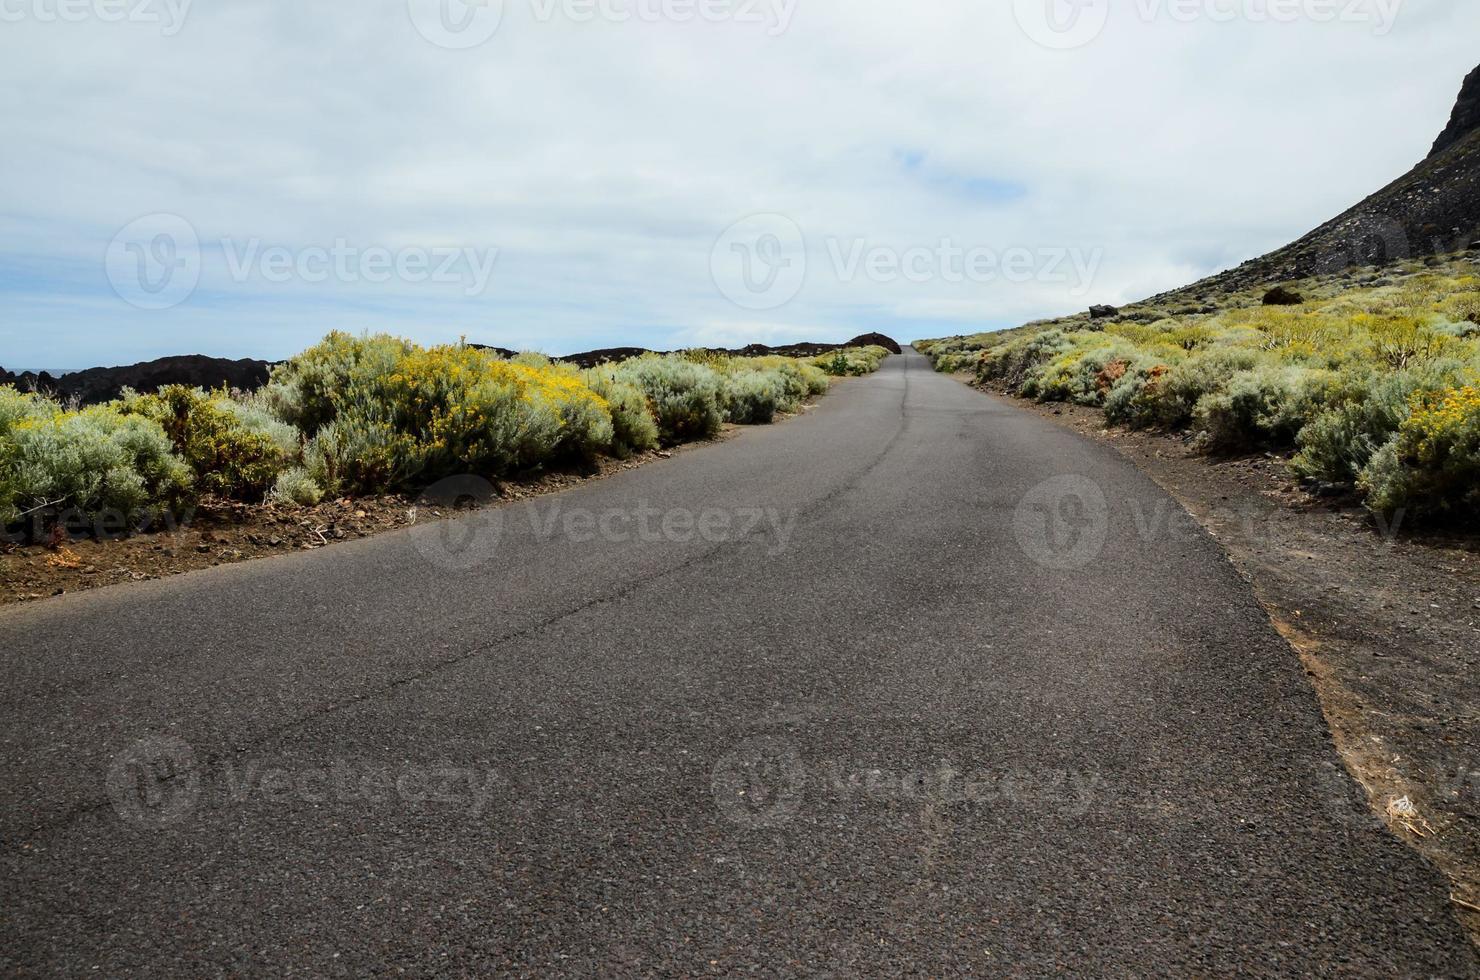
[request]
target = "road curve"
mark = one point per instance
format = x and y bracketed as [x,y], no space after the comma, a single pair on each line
[917,682]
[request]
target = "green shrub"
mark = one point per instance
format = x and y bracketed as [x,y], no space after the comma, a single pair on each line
[1170,400]
[303,391]
[633,428]
[1085,373]
[1368,409]
[1015,361]
[799,379]
[752,397]
[234,449]
[1463,307]
[17,407]
[296,486]
[1431,468]
[402,416]
[851,361]
[684,396]
[950,363]
[355,454]
[98,461]
[1264,406]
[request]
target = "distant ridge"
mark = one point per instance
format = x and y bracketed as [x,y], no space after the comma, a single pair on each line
[96,385]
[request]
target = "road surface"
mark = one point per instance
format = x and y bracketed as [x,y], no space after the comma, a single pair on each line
[916,682]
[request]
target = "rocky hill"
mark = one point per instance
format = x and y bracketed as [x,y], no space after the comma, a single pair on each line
[1434,209]
[101,384]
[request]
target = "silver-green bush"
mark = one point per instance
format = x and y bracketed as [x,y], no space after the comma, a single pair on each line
[684,396]
[96,461]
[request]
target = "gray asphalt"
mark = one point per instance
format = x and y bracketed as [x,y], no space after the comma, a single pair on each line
[971,697]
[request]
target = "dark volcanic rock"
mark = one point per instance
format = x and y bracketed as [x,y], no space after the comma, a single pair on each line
[503,352]
[876,340]
[1466,117]
[1102,312]
[611,355]
[1282,296]
[618,354]
[102,384]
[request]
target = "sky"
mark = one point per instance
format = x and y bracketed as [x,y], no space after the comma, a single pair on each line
[237,179]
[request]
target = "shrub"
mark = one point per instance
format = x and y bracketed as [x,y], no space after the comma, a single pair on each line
[17,407]
[356,455]
[1083,374]
[1399,341]
[1169,398]
[851,361]
[233,449]
[1014,361]
[1463,307]
[684,396]
[1432,467]
[296,486]
[954,361]
[302,392]
[633,426]
[405,416]
[1367,411]
[97,460]
[752,397]
[1267,405]
[796,380]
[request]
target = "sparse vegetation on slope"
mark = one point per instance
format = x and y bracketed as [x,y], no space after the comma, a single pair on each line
[1370,375]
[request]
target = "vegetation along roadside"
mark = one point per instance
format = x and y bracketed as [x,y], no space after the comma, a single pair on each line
[1371,377]
[340,443]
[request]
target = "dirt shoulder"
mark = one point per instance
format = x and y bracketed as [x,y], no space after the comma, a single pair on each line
[220,532]
[1387,623]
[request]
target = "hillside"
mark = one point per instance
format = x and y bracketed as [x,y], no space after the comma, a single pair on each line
[1361,361]
[1433,209]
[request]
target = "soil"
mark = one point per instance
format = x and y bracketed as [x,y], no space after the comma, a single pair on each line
[1385,619]
[223,532]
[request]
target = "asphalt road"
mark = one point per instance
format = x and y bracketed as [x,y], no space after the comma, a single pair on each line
[915,683]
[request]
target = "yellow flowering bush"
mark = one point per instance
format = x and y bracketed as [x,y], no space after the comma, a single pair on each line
[1432,468]
[234,449]
[399,416]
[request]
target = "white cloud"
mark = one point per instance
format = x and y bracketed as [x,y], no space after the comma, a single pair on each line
[603,159]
